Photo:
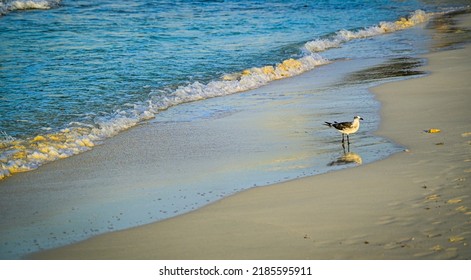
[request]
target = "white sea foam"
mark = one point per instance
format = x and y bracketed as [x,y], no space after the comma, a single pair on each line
[24,155]
[344,36]
[237,82]
[7,6]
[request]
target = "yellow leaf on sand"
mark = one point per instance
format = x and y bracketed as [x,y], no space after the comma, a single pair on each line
[456,239]
[454,201]
[433,130]
[433,197]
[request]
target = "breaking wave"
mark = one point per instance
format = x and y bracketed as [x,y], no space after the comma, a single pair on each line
[7,6]
[343,36]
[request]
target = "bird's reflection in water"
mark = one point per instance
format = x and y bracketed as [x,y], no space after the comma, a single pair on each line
[347,158]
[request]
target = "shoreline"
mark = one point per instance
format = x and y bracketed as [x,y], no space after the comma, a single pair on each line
[412,205]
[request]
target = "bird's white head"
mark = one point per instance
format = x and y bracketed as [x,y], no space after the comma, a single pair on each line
[358,118]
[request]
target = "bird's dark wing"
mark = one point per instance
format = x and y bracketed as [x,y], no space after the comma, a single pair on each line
[342,125]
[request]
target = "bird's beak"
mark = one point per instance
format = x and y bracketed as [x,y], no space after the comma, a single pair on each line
[361,119]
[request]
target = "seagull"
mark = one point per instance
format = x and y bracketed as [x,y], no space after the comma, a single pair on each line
[346,128]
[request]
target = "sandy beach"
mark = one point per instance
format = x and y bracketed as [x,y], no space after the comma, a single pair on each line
[412,205]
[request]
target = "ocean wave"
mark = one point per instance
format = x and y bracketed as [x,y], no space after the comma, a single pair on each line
[343,36]
[7,6]
[24,155]
[237,82]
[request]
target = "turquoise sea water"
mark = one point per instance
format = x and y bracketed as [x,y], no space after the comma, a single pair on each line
[75,73]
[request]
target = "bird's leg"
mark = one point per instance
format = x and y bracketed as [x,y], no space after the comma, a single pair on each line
[348,140]
[343,138]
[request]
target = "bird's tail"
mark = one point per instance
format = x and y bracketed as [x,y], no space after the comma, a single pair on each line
[328,124]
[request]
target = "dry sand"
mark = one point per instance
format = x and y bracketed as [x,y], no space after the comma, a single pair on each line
[413,205]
